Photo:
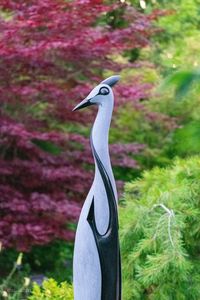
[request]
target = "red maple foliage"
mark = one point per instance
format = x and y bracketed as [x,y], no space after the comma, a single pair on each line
[51,51]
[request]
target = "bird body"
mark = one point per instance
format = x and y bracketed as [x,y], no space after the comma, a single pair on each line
[96,263]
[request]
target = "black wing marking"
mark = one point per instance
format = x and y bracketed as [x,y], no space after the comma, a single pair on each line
[108,243]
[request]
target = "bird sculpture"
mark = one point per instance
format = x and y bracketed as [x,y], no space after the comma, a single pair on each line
[96,262]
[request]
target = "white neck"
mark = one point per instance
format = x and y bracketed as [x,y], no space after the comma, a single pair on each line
[100,135]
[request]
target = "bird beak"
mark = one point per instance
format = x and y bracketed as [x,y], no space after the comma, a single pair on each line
[86,102]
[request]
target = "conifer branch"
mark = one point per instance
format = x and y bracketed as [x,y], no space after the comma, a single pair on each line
[170,214]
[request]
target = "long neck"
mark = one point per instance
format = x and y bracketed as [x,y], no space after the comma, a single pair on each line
[99,136]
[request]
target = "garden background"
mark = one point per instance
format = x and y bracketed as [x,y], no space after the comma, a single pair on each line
[52,52]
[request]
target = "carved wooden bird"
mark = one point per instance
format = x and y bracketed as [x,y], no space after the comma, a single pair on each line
[96,262]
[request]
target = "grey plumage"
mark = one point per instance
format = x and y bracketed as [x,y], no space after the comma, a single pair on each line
[96,266]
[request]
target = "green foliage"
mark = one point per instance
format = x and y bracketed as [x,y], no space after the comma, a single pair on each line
[132,125]
[14,285]
[160,233]
[183,81]
[52,260]
[175,54]
[186,139]
[47,146]
[178,44]
[185,108]
[51,290]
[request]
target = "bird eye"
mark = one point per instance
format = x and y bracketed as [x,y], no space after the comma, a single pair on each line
[104,91]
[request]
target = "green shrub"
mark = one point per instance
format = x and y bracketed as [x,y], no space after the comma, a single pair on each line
[41,260]
[15,284]
[52,260]
[160,234]
[51,290]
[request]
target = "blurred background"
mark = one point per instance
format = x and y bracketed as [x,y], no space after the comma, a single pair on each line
[52,52]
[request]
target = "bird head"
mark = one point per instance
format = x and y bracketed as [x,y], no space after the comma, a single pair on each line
[100,93]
